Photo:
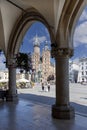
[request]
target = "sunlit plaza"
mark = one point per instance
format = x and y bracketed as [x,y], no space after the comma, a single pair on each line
[78,95]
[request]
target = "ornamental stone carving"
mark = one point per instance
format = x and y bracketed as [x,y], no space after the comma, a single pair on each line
[55,52]
[12,63]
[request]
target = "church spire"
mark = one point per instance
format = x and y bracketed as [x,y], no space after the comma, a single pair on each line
[36,41]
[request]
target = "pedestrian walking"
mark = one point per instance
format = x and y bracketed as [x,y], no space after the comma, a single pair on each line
[48,86]
[42,86]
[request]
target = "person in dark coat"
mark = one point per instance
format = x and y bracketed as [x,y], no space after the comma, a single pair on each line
[42,86]
[48,86]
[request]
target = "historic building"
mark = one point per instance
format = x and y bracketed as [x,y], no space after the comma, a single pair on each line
[36,55]
[41,64]
[3,75]
[73,71]
[82,75]
[78,70]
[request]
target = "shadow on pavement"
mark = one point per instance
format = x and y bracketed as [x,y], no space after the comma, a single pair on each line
[81,109]
[38,98]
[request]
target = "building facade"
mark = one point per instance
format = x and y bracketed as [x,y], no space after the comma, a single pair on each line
[4,75]
[45,62]
[78,70]
[73,71]
[82,75]
[41,63]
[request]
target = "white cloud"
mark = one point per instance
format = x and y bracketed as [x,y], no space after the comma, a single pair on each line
[83,16]
[80,35]
[42,39]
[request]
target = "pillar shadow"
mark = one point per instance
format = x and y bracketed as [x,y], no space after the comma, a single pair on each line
[79,109]
[37,98]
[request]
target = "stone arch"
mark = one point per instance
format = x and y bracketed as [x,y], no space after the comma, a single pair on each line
[67,23]
[2,38]
[74,20]
[27,18]
[62,51]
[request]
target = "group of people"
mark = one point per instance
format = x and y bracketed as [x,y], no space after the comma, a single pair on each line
[47,87]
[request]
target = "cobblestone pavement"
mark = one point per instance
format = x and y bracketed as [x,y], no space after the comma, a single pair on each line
[78,96]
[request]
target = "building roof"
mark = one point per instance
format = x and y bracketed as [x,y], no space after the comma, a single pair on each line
[83,59]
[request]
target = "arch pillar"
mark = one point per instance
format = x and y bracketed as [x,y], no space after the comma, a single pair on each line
[62,109]
[12,91]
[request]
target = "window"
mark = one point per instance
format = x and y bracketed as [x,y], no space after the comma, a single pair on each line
[86,72]
[82,73]
[82,67]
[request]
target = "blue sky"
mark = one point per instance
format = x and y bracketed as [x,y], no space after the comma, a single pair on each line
[36,29]
[79,39]
[80,36]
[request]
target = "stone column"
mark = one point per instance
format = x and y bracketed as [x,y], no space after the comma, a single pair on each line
[62,109]
[12,91]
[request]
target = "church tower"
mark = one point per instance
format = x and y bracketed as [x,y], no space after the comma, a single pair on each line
[45,62]
[36,45]
[36,54]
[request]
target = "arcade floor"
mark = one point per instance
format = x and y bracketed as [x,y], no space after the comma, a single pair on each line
[27,115]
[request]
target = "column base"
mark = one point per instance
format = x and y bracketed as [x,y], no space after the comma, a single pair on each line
[63,112]
[10,97]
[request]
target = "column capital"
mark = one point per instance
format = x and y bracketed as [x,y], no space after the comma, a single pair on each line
[55,52]
[12,63]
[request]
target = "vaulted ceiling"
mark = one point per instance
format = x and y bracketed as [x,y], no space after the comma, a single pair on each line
[53,11]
